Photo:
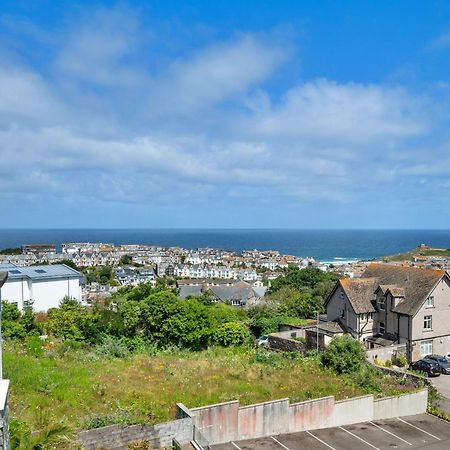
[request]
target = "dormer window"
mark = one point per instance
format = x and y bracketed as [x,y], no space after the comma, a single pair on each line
[430,302]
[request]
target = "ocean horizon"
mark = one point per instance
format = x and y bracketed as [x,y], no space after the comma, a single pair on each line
[325,245]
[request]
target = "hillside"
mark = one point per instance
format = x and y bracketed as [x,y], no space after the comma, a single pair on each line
[420,252]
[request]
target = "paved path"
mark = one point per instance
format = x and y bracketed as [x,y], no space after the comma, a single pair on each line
[442,384]
[412,432]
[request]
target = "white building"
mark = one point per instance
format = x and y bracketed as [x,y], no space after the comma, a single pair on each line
[41,287]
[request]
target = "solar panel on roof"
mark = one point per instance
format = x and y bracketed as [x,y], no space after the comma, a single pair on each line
[15,271]
[40,271]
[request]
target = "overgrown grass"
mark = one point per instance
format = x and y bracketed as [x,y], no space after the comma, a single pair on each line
[90,389]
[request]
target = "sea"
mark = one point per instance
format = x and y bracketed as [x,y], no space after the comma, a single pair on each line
[323,245]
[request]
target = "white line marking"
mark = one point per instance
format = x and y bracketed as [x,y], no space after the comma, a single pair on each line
[417,428]
[361,439]
[278,442]
[239,448]
[320,440]
[388,432]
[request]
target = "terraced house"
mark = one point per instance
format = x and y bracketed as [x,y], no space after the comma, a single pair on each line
[394,304]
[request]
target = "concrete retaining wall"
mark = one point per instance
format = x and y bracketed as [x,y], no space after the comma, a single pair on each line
[119,437]
[353,410]
[403,405]
[226,422]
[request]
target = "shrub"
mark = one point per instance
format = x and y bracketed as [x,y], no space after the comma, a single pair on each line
[231,333]
[400,361]
[112,347]
[388,363]
[344,355]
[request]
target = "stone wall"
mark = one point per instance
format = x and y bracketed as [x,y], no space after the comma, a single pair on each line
[285,344]
[117,437]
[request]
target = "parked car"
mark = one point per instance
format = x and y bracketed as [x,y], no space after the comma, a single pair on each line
[443,362]
[427,366]
[264,341]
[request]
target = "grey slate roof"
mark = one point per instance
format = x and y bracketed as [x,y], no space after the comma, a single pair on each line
[3,277]
[416,283]
[186,291]
[39,272]
[360,292]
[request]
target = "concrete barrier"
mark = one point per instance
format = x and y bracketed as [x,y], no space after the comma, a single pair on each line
[218,423]
[263,419]
[311,414]
[403,405]
[225,422]
[353,410]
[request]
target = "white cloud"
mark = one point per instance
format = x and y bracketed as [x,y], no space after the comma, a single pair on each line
[202,128]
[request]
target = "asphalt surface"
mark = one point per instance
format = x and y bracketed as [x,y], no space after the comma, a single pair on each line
[442,384]
[421,431]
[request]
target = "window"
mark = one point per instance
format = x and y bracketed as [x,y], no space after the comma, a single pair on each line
[428,322]
[426,348]
[381,303]
[381,328]
[430,302]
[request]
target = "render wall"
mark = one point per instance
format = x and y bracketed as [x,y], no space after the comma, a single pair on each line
[338,304]
[45,294]
[226,422]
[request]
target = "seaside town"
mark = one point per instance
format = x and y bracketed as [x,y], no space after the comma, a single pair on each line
[224,225]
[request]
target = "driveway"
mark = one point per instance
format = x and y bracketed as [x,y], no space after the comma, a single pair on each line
[442,384]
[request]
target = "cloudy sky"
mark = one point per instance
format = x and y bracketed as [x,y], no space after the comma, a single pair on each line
[224,114]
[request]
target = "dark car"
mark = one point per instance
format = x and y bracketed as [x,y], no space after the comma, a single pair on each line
[442,361]
[429,367]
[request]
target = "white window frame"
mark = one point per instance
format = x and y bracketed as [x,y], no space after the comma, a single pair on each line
[382,304]
[430,302]
[428,320]
[426,347]
[381,328]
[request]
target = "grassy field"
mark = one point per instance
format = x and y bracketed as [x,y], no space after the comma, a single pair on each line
[88,390]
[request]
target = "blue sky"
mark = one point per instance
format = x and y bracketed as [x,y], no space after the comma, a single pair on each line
[227,114]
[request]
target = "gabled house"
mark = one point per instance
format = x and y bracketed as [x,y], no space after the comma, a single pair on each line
[395,304]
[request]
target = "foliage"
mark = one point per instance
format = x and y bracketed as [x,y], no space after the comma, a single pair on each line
[125,260]
[99,274]
[11,251]
[303,278]
[16,324]
[291,302]
[400,361]
[47,435]
[231,333]
[344,355]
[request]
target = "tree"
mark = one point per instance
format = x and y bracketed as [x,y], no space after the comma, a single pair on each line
[289,301]
[344,355]
[125,260]
[303,278]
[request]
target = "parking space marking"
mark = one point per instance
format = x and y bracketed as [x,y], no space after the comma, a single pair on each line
[320,440]
[388,432]
[237,446]
[420,429]
[361,439]
[278,442]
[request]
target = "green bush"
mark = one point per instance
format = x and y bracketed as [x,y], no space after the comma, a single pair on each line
[112,347]
[400,361]
[231,333]
[344,355]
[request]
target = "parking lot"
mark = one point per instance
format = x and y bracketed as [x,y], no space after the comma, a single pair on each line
[422,431]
